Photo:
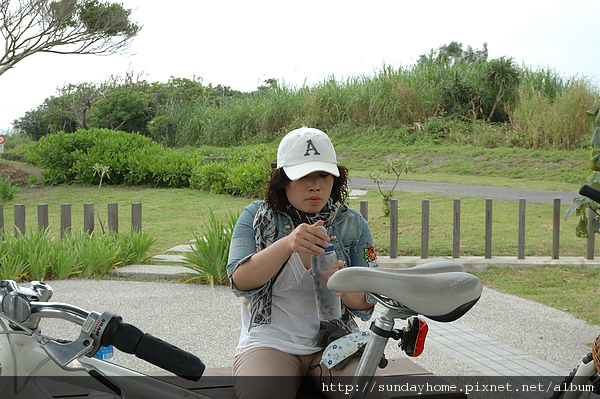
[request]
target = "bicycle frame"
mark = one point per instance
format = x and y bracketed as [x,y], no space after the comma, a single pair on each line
[382,329]
[32,362]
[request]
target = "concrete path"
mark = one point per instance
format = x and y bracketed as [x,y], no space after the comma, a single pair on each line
[467,190]
[503,340]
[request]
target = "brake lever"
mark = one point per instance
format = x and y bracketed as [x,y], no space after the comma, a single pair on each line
[63,353]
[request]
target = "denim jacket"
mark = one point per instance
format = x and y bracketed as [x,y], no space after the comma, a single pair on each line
[349,233]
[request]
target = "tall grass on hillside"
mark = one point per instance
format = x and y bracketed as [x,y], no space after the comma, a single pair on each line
[552,112]
[250,119]
[392,97]
[543,109]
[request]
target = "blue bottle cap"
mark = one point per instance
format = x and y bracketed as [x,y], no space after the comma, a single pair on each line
[329,248]
[105,352]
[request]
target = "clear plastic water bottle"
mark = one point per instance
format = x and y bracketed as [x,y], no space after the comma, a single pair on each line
[104,353]
[328,304]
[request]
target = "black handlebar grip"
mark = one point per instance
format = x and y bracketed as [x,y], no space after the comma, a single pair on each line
[131,339]
[122,335]
[591,192]
[169,357]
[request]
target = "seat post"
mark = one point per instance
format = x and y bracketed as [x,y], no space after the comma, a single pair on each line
[372,355]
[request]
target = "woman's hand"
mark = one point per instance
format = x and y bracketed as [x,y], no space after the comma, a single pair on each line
[353,300]
[308,239]
[335,266]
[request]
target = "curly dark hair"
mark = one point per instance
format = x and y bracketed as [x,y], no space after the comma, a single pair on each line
[277,199]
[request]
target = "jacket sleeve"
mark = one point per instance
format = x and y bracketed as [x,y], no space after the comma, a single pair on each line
[243,245]
[364,256]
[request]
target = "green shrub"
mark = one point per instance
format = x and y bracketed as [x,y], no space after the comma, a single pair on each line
[69,157]
[133,159]
[38,256]
[57,153]
[210,251]
[210,176]
[244,173]
[8,190]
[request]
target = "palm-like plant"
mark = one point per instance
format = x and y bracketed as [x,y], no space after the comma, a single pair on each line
[503,74]
[210,252]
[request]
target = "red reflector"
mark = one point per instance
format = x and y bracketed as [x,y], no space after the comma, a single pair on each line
[422,334]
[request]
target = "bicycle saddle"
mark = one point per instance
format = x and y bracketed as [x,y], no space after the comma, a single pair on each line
[441,291]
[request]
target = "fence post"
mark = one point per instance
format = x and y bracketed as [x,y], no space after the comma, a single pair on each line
[488,228]
[589,249]
[65,219]
[556,228]
[20,219]
[521,238]
[393,228]
[364,209]
[88,218]
[2,220]
[113,217]
[136,217]
[456,230]
[43,217]
[425,229]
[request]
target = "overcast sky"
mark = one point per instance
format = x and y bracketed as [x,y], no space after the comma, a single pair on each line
[241,43]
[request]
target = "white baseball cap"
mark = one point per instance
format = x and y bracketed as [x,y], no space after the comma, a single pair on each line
[304,151]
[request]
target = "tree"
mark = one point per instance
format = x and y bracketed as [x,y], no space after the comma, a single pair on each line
[453,53]
[503,75]
[63,27]
[79,99]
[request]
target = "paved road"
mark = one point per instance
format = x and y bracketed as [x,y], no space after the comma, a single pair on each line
[502,335]
[468,190]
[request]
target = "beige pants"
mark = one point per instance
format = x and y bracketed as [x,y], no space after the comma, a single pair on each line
[269,373]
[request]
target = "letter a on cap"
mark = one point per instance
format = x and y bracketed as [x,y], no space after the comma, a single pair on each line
[311,147]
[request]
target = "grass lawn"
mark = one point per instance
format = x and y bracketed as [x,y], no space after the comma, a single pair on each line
[172,216]
[169,215]
[571,290]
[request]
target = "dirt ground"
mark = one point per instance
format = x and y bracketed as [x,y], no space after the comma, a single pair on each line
[18,174]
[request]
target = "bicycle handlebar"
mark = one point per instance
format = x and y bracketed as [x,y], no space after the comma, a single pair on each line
[131,339]
[591,192]
[106,329]
[56,310]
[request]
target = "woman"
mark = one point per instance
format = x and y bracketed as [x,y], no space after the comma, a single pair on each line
[269,262]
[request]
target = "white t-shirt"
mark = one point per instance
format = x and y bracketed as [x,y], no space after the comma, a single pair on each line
[294,326]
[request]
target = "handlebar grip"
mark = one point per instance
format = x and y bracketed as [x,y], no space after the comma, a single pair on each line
[131,339]
[591,192]
[169,357]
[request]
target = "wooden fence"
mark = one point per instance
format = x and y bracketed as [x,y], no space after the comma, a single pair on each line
[556,217]
[136,223]
[65,218]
